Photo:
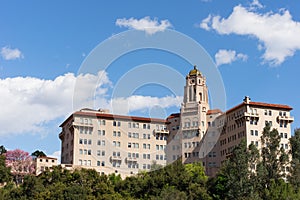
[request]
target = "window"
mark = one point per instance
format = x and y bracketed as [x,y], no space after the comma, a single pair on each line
[256,132]
[89,152]
[251,132]
[270,112]
[285,135]
[98,152]
[266,112]
[129,134]
[129,144]
[85,141]
[144,136]
[101,122]
[80,151]
[80,141]
[281,135]
[89,142]
[103,142]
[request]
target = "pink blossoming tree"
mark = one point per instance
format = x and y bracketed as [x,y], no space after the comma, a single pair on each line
[21,164]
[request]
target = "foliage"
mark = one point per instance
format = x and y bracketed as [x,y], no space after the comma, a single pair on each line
[2,150]
[273,159]
[247,174]
[38,153]
[295,145]
[5,175]
[20,163]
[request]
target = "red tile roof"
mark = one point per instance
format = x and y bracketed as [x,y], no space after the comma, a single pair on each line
[173,115]
[112,116]
[262,105]
[214,111]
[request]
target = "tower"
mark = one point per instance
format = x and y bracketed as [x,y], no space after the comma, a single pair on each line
[193,112]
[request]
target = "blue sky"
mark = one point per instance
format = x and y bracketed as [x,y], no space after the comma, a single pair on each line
[44,44]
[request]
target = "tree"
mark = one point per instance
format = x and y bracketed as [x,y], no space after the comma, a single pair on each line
[38,153]
[5,175]
[237,171]
[2,150]
[273,158]
[20,163]
[294,177]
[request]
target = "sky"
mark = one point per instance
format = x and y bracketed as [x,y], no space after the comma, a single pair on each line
[59,56]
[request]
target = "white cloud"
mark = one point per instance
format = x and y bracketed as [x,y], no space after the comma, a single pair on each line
[144,24]
[255,4]
[205,23]
[29,103]
[11,54]
[277,33]
[228,56]
[55,154]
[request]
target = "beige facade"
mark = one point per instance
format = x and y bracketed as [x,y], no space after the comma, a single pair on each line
[126,144]
[44,163]
[113,143]
[247,121]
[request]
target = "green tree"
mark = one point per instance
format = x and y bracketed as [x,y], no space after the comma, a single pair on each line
[235,176]
[5,175]
[273,158]
[2,150]
[294,177]
[38,153]
[295,145]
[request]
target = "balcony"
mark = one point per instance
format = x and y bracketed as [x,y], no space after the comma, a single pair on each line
[112,158]
[130,159]
[250,115]
[76,124]
[161,131]
[285,118]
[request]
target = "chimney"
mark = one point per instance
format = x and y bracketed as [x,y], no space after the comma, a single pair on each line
[247,99]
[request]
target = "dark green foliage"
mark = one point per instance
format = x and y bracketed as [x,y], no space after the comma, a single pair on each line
[38,153]
[233,181]
[5,175]
[247,174]
[295,145]
[2,150]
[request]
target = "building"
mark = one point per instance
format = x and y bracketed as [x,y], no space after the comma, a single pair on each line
[247,121]
[112,143]
[127,144]
[209,136]
[44,163]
